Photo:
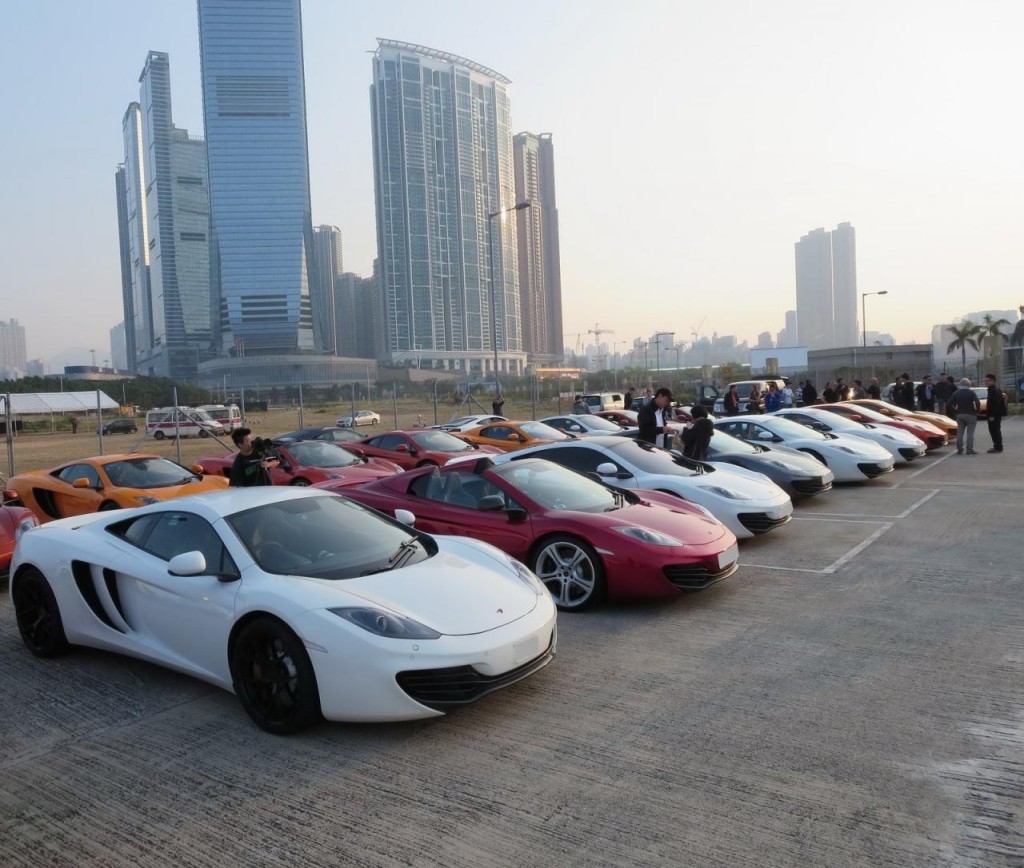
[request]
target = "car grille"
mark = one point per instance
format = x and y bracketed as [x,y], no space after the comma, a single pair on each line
[873,470]
[695,577]
[809,487]
[909,452]
[759,522]
[441,689]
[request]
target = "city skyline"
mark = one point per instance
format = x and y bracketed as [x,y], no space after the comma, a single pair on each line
[916,151]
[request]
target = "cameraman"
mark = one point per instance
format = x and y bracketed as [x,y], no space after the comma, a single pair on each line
[252,466]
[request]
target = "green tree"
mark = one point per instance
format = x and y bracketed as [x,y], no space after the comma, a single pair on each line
[967,333]
[991,328]
[1017,338]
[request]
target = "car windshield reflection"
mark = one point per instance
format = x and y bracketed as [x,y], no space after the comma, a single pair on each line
[440,441]
[650,459]
[147,473]
[555,487]
[320,453]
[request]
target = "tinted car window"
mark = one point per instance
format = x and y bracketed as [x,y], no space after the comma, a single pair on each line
[80,471]
[168,534]
[317,453]
[440,441]
[577,458]
[386,441]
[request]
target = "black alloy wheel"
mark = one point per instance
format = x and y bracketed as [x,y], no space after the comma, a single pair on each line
[38,615]
[274,678]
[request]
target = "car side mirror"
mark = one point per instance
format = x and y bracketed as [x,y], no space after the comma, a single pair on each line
[609,469]
[187,564]
[405,517]
[491,503]
[765,435]
[82,482]
[198,469]
[402,447]
[516,514]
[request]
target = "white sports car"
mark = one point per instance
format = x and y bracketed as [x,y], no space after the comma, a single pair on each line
[301,602]
[851,459]
[902,445]
[747,503]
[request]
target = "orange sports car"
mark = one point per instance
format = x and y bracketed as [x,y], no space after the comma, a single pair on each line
[105,482]
[510,436]
[943,423]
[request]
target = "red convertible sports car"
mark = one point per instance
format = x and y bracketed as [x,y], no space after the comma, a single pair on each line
[306,462]
[583,539]
[419,448]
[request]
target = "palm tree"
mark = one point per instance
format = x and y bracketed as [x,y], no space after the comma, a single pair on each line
[964,334]
[991,328]
[1017,338]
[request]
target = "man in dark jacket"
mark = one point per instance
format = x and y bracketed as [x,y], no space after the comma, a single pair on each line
[944,390]
[903,394]
[995,409]
[698,435]
[651,418]
[964,403]
[731,401]
[874,390]
[810,394]
[926,395]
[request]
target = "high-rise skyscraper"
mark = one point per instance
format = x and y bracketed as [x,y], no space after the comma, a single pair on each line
[442,146]
[327,256]
[540,272]
[261,230]
[826,288]
[13,355]
[163,217]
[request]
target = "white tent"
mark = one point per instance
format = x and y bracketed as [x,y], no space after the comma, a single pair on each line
[40,403]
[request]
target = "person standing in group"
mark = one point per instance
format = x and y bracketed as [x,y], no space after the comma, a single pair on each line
[858,391]
[651,418]
[841,389]
[497,404]
[944,389]
[731,402]
[926,395]
[627,399]
[810,394]
[829,393]
[965,404]
[754,401]
[903,393]
[580,407]
[874,390]
[772,399]
[787,396]
[995,409]
[697,436]
[648,394]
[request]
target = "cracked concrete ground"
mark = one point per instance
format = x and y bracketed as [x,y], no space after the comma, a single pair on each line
[854,695]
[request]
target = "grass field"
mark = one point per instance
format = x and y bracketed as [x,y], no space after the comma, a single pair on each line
[44,449]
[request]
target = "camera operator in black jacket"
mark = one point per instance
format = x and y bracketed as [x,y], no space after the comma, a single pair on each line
[254,460]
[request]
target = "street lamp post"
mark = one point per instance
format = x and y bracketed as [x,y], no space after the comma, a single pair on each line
[863,313]
[519,206]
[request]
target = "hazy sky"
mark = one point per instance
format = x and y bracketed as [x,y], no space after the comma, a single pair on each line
[695,142]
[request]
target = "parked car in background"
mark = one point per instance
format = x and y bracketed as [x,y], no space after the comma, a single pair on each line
[229,415]
[622,418]
[464,423]
[941,422]
[328,433]
[105,482]
[902,445]
[124,425]
[305,605]
[584,425]
[306,462]
[932,437]
[714,398]
[604,401]
[360,417]
[851,459]
[419,447]
[180,422]
[583,539]
[511,436]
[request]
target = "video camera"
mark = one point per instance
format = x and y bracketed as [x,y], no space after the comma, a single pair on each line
[263,448]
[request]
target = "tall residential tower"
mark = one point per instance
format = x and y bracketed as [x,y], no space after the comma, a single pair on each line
[443,170]
[826,289]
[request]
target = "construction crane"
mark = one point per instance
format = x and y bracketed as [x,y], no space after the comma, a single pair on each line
[597,331]
[696,331]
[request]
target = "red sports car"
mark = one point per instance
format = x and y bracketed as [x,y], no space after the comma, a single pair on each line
[583,539]
[418,448]
[306,462]
[625,418]
[932,436]
[12,520]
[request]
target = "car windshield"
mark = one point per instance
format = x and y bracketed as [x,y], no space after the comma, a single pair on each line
[320,453]
[464,420]
[786,428]
[834,421]
[541,431]
[147,473]
[440,441]
[650,459]
[325,538]
[556,487]
[725,444]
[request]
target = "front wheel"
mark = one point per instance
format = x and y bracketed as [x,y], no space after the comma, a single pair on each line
[572,572]
[108,505]
[204,433]
[158,435]
[299,483]
[273,677]
[38,615]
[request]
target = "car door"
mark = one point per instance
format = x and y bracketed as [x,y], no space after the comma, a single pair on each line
[185,618]
[70,500]
[387,445]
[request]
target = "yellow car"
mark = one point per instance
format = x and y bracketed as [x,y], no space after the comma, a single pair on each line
[943,423]
[510,436]
[105,482]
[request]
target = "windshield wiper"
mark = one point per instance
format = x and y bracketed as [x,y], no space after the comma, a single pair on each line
[402,554]
[620,501]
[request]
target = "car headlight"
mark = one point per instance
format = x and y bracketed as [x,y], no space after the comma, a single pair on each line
[145,498]
[386,624]
[725,492]
[24,526]
[645,535]
[527,577]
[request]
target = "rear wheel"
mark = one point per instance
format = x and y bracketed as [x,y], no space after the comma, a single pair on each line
[572,572]
[158,435]
[273,677]
[108,505]
[38,615]
[299,483]
[203,432]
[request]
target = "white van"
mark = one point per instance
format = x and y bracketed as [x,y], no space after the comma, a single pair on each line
[604,401]
[172,422]
[229,415]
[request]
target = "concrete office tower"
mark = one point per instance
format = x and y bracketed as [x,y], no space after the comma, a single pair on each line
[826,289]
[118,348]
[357,309]
[261,231]
[327,269]
[540,270]
[13,356]
[442,146]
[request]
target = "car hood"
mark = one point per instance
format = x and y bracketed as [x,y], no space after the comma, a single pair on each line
[859,446]
[467,587]
[683,525]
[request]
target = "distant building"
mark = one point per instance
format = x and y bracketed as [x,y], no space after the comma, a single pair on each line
[13,357]
[764,341]
[328,267]
[357,307]
[540,272]
[35,367]
[826,288]
[119,347]
[254,110]
[442,145]
[133,234]
[787,336]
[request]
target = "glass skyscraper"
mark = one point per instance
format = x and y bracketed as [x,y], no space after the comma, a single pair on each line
[442,163]
[826,289]
[261,231]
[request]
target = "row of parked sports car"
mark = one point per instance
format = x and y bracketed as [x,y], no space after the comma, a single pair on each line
[435,580]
